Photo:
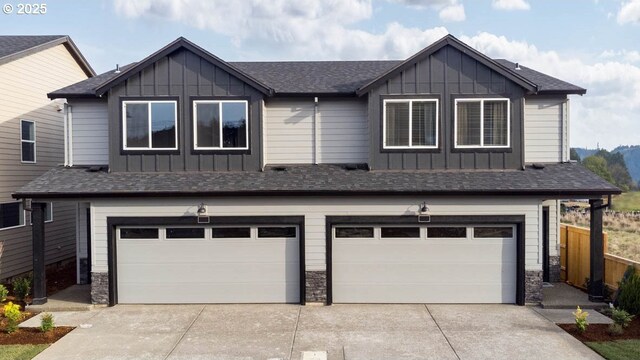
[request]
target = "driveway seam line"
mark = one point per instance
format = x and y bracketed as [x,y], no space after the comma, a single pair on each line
[442,332]
[295,333]
[185,333]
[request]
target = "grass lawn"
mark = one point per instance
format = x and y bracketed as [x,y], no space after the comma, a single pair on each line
[20,352]
[629,201]
[617,350]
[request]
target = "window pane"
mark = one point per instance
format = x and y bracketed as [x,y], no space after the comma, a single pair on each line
[446,232]
[397,124]
[235,232]
[48,212]
[137,233]
[28,151]
[234,125]
[495,123]
[273,232]
[185,233]
[493,232]
[208,124]
[28,130]
[137,118]
[400,232]
[354,232]
[423,116]
[163,125]
[468,123]
[11,214]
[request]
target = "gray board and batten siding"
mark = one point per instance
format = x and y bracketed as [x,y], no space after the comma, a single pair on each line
[184,76]
[446,74]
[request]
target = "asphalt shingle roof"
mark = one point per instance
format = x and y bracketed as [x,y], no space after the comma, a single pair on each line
[87,87]
[556,179]
[13,44]
[545,82]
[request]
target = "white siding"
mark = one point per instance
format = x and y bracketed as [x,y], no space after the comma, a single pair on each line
[315,209]
[544,137]
[90,132]
[339,134]
[554,226]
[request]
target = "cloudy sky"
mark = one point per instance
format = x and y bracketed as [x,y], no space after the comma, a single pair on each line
[591,43]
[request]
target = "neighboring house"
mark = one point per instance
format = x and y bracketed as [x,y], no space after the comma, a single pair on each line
[429,180]
[32,142]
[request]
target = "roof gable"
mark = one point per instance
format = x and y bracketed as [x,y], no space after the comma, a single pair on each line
[182,43]
[449,40]
[14,47]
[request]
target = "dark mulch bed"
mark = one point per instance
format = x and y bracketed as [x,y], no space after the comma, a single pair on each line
[600,332]
[33,336]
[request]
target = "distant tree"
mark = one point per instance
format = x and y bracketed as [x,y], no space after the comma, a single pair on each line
[621,177]
[598,165]
[573,155]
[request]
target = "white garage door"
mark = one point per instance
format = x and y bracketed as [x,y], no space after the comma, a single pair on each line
[432,264]
[245,264]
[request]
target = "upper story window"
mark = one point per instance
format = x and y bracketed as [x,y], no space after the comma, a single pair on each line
[150,125]
[11,215]
[410,123]
[220,124]
[482,123]
[27,141]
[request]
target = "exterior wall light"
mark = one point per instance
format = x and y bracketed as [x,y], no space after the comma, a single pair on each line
[423,214]
[203,218]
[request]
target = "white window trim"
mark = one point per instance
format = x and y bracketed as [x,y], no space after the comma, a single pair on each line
[149,124]
[24,213]
[50,207]
[221,147]
[411,146]
[482,145]
[28,141]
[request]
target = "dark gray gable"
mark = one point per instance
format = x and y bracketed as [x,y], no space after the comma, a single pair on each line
[448,40]
[182,43]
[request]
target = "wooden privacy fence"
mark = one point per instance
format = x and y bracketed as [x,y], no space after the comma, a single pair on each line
[575,258]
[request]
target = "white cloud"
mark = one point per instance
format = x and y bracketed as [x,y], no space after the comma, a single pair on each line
[629,12]
[631,56]
[510,5]
[452,13]
[448,10]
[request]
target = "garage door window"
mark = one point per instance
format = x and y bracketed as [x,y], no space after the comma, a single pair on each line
[447,232]
[354,232]
[185,233]
[139,233]
[231,232]
[400,232]
[493,232]
[277,232]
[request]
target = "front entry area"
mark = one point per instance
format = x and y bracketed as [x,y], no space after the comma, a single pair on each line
[208,264]
[424,263]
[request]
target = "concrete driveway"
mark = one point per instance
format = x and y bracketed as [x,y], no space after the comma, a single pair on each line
[285,331]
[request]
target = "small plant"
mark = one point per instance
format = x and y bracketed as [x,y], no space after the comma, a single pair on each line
[629,294]
[615,329]
[21,287]
[581,319]
[14,315]
[46,322]
[3,293]
[621,317]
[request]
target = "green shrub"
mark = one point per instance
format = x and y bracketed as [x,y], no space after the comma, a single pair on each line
[629,294]
[615,329]
[14,315]
[46,322]
[581,319]
[21,287]
[3,293]
[621,317]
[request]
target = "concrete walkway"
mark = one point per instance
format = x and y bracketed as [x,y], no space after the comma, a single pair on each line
[564,296]
[343,331]
[73,298]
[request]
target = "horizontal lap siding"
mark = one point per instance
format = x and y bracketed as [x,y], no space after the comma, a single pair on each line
[343,135]
[315,209]
[24,84]
[543,129]
[90,128]
[289,132]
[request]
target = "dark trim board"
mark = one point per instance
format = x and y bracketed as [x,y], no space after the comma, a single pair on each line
[518,220]
[545,243]
[113,222]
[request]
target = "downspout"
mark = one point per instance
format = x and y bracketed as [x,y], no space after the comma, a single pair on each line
[564,126]
[70,135]
[315,130]
[66,134]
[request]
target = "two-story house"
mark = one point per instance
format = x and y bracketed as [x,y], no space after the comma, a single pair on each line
[32,142]
[429,180]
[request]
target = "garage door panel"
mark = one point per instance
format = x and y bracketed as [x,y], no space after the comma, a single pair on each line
[434,293]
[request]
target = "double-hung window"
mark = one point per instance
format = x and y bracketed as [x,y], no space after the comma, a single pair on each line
[410,123]
[27,141]
[221,125]
[150,125]
[482,123]
[11,215]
